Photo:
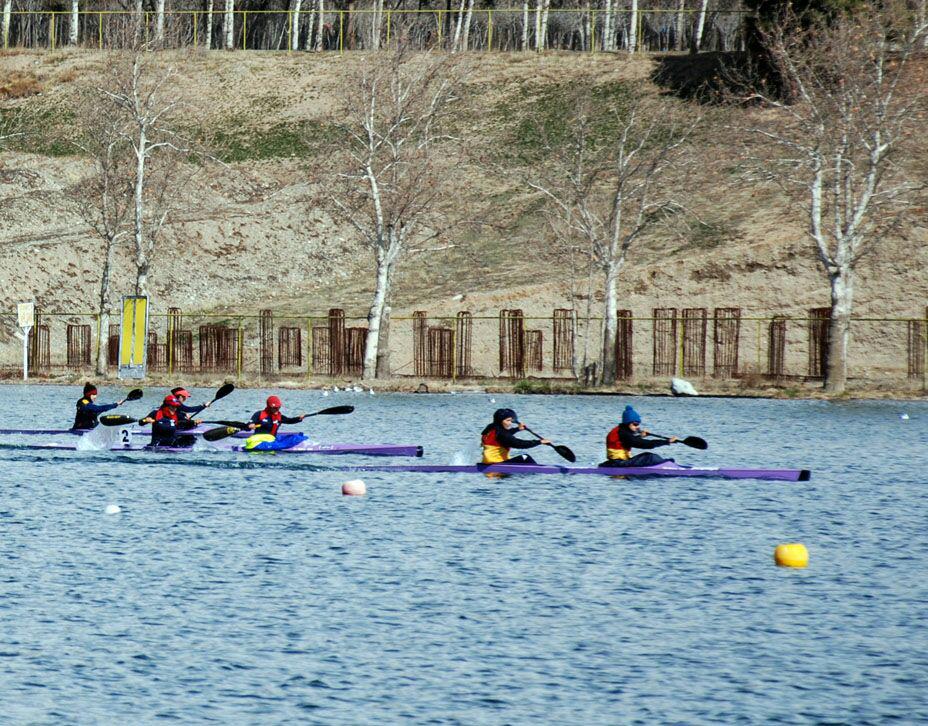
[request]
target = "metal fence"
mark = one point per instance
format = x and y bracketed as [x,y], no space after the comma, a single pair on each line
[698,343]
[487,29]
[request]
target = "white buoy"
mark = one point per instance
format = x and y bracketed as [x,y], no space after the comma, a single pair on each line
[904,417]
[680,387]
[492,400]
[354,488]
[112,509]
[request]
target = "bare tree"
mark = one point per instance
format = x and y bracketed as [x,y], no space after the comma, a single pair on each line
[5,30]
[159,21]
[209,24]
[105,196]
[854,106]
[75,17]
[604,190]
[394,117]
[139,94]
[228,25]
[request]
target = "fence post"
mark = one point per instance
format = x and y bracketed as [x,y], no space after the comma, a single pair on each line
[51,31]
[489,30]
[592,31]
[170,343]
[100,30]
[196,23]
[245,30]
[240,363]
[440,23]
[341,31]
[454,350]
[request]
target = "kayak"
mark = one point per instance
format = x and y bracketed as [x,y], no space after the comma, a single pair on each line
[134,431]
[304,447]
[666,469]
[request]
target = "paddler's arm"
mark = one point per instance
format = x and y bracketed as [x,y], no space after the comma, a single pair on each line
[634,441]
[99,408]
[510,441]
[193,410]
[291,419]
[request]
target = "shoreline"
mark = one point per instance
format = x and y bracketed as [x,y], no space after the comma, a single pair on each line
[534,386]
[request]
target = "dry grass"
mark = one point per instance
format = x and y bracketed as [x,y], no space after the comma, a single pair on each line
[20,84]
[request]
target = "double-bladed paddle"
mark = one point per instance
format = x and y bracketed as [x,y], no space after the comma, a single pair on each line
[118,420]
[692,441]
[559,448]
[233,427]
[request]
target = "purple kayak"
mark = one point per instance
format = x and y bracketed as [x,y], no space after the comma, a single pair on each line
[667,469]
[304,447]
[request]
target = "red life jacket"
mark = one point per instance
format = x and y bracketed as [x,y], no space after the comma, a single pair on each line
[274,418]
[166,413]
[615,449]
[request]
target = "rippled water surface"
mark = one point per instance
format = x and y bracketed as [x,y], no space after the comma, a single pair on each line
[248,590]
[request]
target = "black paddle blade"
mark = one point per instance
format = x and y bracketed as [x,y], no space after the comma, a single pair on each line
[115,420]
[220,433]
[134,395]
[224,391]
[334,411]
[565,452]
[240,425]
[695,442]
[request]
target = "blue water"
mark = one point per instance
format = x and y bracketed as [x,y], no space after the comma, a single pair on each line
[251,591]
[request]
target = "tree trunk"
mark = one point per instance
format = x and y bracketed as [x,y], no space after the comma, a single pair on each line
[610,323]
[139,20]
[320,25]
[75,19]
[295,24]
[839,330]
[104,333]
[209,24]
[607,27]
[524,25]
[7,14]
[465,42]
[681,24]
[376,30]
[700,26]
[228,25]
[633,30]
[543,42]
[383,352]
[457,28]
[159,22]
[141,256]
[538,8]
[375,318]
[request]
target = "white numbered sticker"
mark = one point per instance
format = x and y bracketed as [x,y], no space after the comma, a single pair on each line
[124,437]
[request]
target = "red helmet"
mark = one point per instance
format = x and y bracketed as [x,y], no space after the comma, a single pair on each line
[171,401]
[273,402]
[180,392]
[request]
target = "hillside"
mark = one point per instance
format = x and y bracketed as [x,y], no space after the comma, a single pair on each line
[260,233]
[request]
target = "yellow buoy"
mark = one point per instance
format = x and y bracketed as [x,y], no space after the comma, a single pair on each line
[793,554]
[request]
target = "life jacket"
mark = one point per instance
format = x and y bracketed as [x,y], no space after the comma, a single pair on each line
[164,429]
[166,413]
[273,418]
[615,449]
[84,419]
[493,451]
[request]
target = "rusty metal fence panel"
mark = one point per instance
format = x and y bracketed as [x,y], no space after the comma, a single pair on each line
[624,345]
[440,350]
[266,335]
[157,353]
[564,325]
[776,347]
[78,346]
[664,342]
[289,347]
[694,341]
[463,358]
[218,349]
[726,338]
[420,342]
[819,318]
[338,343]
[321,353]
[40,349]
[512,343]
[534,355]
[354,355]
[112,346]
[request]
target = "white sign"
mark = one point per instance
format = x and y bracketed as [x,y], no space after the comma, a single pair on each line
[25,314]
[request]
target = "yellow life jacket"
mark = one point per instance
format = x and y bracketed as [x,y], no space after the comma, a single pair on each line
[493,452]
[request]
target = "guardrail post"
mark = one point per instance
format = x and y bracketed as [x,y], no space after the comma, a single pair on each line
[51,31]
[196,23]
[341,31]
[245,30]
[489,30]
[100,30]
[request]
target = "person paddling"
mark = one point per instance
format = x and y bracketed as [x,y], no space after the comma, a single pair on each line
[499,437]
[88,410]
[269,420]
[166,427]
[185,412]
[630,435]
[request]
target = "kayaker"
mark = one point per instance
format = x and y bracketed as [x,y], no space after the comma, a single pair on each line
[185,412]
[165,430]
[269,420]
[88,409]
[499,437]
[630,435]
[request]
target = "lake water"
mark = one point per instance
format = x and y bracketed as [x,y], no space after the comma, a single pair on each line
[248,590]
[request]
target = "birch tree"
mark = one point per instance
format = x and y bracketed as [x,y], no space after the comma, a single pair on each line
[605,189]
[295,6]
[73,27]
[159,21]
[209,25]
[855,106]
[228,25]
[105,195]
[320,26]
[7,15]
[394,115]
[700,26]
[139,94]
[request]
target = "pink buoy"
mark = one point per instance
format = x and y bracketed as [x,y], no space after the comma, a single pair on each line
[354,488]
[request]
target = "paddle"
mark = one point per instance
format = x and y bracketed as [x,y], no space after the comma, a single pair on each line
[116,420]
[559,448]
[235,426]
[692,441]
[224,390]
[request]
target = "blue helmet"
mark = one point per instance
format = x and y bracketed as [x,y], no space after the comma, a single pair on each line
[630,415]
[502,414]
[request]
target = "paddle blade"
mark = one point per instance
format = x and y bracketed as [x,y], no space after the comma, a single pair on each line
[224,391]
[240,425]
[220,433]
[565,452]
[334,411]
[695,442]
[134,395]
[115,420]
